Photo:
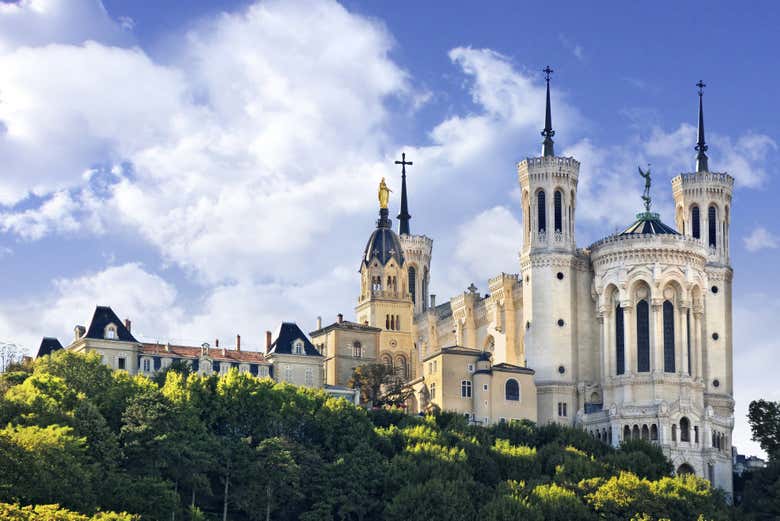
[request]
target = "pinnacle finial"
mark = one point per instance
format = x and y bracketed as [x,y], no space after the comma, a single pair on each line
[701,146]
[548,132]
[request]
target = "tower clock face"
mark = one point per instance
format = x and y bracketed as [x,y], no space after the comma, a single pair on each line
[393,343]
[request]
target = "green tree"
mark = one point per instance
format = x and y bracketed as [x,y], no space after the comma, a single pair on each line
[764,418]
[433,500]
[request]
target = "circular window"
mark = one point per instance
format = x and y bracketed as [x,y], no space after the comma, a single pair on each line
[560,322]
[715,336]
[714,289]
[560,275]
[561,369]
[716,383]
[393,343]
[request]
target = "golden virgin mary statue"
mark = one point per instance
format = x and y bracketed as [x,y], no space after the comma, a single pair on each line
[384,194]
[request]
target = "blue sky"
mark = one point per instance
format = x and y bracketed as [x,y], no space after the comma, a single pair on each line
[210,168]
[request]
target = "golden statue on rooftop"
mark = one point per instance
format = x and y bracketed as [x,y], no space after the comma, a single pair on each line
[384,194]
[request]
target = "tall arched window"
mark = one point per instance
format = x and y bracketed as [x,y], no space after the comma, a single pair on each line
[645,433]
[695,222]
[413,284]
[685,429]
[400,367]
[388,362]
[512,390]
[558,200]
[712,215]
[620,347]
[425,288]
[642,337]
[541,211]
[668,337]
[654,433]
[626,433]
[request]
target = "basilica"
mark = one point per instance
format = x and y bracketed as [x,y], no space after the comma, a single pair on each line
[627,338]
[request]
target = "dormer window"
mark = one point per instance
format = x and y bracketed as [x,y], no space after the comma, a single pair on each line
[110,333]
[297,347]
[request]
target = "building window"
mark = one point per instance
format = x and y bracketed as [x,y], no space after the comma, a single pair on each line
[654,432]
[620,348]
[465,389]
[541,211]
[110,332]
[642,337]
[668,310]
[470,368]
[147,365]
[435,366]
[298,347]
[484,387]
[400,367]
[712,224]
[626,433]
[695,222]
[413,284]
[121,363]
[562,406]
[512,390]
[558,201]
[309,377]
[674,432]
[357,349]
[696,435]
[433,391]
[288,373]
[685,429]
[263,371]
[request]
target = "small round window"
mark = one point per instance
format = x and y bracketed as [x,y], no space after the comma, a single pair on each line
[715,336]
[560,322]
[561,369]
[716,383]
[714,289]
[560,275]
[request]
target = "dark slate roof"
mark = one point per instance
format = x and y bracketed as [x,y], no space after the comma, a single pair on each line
[288,333]
[455,350]
[443,310]
[48,346]
[384,243]
[104,316]
[511,368]
[649,223]
[345,324]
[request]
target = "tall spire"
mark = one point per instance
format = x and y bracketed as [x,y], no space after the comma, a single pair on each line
[701,146]
[548,132]
[403,217]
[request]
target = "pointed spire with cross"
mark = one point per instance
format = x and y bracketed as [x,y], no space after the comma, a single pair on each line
[701,145]
[548,132]
[403,216]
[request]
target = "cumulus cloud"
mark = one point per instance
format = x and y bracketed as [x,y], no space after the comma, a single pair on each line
[761,239]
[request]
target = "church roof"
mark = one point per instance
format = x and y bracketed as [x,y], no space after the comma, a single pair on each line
[104,316]
[383,244]
[48,346]
[648,223]
[286,336]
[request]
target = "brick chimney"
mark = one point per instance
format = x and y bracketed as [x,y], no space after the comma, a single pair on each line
[79,331]
[340,318]
[238,342]
[128,324]
[319,322]
[267,341]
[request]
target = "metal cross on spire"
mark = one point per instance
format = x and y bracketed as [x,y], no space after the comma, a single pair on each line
[403,216]
[701,146]
[548,132]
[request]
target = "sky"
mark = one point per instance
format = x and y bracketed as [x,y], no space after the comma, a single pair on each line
[210,168]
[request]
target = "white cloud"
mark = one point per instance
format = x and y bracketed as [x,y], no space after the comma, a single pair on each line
[761,239]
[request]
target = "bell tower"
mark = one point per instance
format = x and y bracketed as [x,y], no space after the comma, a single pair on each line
[554,277]
[703,211]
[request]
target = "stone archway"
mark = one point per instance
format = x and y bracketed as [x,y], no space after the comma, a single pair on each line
[685,468]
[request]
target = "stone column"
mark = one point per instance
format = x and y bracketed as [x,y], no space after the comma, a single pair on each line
[657,337]
[683,320]
[603,346]
[629,338]
[698,346]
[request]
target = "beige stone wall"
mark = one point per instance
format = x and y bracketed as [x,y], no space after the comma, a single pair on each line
[339,360]
[298,370]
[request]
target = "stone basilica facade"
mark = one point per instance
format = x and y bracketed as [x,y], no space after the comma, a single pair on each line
[629,337]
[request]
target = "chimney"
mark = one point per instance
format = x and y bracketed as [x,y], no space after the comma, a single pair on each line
[433,301]
[128,324]
[319,322]
[216,342]
[238,342]
[79,332]
[340,318]
[267,341]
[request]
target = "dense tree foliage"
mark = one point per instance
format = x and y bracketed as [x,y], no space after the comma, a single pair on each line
[761,488]
[242,448]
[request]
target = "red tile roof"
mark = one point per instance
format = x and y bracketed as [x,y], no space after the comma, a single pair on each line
[215,353]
